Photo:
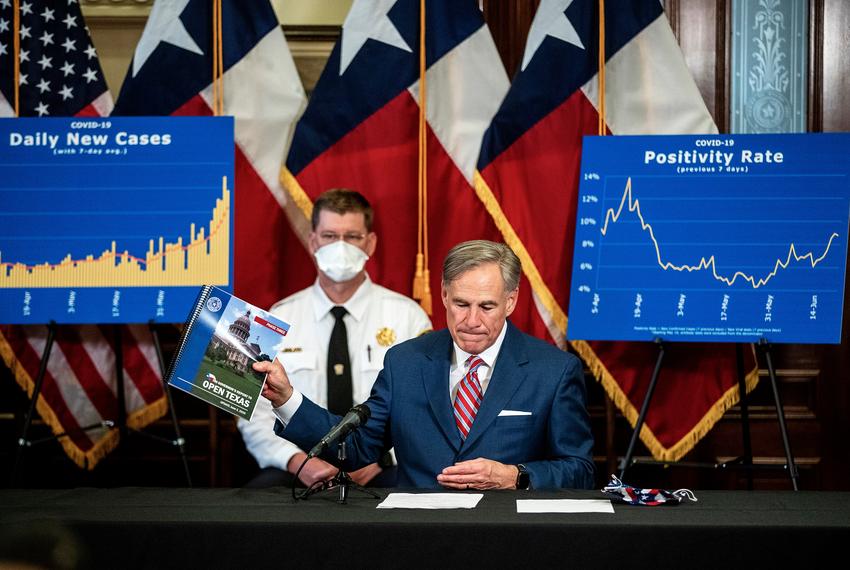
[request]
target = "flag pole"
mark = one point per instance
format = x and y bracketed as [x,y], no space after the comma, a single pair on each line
[214,58]
[603,129]
[219,53]
[217,71]
[422,278]
[16,54]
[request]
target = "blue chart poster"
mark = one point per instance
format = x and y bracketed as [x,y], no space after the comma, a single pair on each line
[113,220]
[711,238]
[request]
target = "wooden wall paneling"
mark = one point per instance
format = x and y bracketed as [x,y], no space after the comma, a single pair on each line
[213,450]
[834,95]
[815,67]
[115,30]
[834,408]
[700,27]
[509,23]
[723,63]
[311,47]
[800,381]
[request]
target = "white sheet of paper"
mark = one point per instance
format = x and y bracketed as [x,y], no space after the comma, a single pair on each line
[431,501]
[564,506]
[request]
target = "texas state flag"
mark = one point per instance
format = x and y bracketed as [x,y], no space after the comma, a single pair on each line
[527,174]
[171,74]
[361,128]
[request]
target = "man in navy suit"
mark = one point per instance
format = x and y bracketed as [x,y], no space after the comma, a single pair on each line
[477,406]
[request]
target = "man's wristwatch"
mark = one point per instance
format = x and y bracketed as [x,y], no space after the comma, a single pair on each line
[523,481]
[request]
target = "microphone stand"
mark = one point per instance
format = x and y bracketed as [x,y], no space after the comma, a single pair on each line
[344,481]
[341,480]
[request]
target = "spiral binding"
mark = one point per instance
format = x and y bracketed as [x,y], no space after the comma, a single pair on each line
[190,324]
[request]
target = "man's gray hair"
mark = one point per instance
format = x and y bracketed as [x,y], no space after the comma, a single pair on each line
[470,254]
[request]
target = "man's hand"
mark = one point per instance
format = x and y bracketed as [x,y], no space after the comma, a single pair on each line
[277,390]
[315,469]
[365,474]
[319,470]
[480,473]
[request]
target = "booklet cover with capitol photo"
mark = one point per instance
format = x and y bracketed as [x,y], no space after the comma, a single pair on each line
[222,339]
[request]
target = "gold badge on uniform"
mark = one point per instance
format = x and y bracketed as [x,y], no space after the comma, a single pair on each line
[339,369]
[385,336]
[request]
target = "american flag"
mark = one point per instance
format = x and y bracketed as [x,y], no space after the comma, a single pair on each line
[60,75]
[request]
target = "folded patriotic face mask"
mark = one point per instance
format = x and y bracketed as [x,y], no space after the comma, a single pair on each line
[619,491]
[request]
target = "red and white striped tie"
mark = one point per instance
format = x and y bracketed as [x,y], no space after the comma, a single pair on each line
[468,398]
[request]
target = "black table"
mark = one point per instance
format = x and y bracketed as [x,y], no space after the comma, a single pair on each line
[241,528]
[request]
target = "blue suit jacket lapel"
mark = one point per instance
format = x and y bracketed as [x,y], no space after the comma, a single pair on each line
[506,379]
[435,376]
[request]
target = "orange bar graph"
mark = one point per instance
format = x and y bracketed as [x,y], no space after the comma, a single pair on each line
[205,259]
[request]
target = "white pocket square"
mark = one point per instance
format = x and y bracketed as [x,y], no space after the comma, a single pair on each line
[514,413]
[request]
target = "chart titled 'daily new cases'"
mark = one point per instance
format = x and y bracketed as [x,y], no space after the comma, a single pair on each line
[116,219]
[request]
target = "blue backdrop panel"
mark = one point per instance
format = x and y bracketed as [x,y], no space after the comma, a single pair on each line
[158,188]
[711,238]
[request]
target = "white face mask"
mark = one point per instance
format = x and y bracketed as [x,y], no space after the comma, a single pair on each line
[340,260]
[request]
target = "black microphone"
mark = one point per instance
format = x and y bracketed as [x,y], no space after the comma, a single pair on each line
[356,417]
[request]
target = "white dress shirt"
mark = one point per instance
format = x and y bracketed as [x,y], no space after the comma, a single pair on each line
[458,368]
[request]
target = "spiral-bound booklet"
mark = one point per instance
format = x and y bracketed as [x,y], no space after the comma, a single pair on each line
[222,339]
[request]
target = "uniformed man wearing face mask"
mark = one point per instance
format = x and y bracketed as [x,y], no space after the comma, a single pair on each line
[341,328]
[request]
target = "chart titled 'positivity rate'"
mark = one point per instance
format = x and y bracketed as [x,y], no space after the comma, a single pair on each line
[711,238]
